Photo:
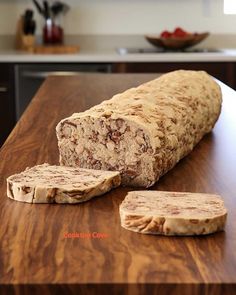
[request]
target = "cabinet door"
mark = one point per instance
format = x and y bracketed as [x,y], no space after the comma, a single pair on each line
[7,106]
[29,77]
[224,71]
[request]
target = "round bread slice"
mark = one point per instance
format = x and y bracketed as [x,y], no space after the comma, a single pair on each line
[60,184]
[172,213]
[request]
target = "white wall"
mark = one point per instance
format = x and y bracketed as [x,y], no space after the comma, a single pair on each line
[129,16]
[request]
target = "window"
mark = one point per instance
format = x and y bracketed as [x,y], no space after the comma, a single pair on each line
[229,7]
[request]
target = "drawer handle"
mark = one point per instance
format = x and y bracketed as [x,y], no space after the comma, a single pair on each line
[38,75]
[3,89]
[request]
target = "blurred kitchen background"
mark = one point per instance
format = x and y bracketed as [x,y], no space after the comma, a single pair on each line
[129,16]
[107,36]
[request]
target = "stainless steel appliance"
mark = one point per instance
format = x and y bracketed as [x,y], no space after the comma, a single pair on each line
[133,50]
[29,77]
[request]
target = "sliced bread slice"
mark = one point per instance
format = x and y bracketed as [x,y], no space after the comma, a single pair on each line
[172,213]
[60,184]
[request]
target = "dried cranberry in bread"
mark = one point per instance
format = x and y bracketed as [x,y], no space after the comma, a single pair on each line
[144,131]
[60,184]
[172,213]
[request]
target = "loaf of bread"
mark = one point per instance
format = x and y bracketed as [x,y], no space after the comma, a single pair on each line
[171,213]
[144,131]
[60,184]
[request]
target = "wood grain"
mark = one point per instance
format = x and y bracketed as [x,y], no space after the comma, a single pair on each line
[55,49]
[36,258]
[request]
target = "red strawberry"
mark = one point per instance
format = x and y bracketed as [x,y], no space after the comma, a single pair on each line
[166,34]
[179,32]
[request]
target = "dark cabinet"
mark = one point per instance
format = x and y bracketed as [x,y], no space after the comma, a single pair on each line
[7,104]
[29,77]
[20,81]
[224,71]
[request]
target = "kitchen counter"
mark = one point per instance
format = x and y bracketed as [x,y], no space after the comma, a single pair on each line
[111,56]
[37,258]
[102,48]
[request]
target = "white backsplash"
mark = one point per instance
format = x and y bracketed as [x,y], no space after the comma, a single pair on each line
[129,16]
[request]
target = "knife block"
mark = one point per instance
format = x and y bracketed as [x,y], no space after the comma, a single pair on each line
[24,42]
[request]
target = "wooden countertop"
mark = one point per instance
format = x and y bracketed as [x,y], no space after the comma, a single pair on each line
[37,258]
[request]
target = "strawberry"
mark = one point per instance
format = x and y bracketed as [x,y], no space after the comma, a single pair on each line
[166,34]
[179,32]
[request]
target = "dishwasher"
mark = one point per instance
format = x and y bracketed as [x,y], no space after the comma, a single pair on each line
[29,77]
